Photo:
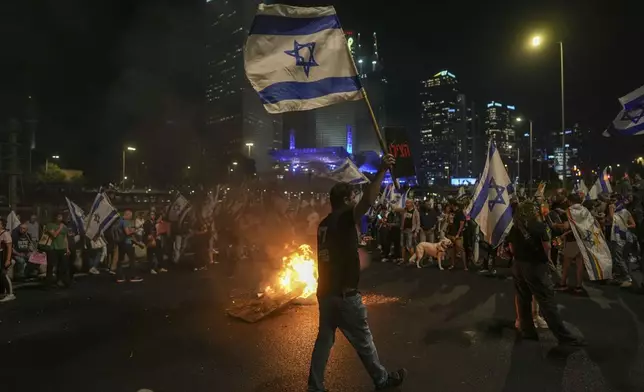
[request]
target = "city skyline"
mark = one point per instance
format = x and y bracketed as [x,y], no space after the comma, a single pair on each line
[133,71]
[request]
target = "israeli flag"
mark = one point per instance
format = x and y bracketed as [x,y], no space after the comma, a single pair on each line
[461,192]
[348,173]
[77,215]
[297,58]
[178,209]
[13,221]
[630,121]
[399,199]
[101,216]
[582,189]
[603,183]
[490,205]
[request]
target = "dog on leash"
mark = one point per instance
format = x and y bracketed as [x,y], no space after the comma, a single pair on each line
[436,250]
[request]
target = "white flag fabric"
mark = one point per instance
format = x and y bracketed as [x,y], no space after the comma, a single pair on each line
[399,199]
[178,208]
[348,173]
[12,221]
[630,121]
[594,192]
[101,216]
[208,209]
[541,189]
[591,241]
[461,191]
[582,189]
[77,215]
[490,205]
[297,58]
[603,182]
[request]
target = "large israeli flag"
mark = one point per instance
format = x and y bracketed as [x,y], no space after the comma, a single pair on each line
[77,216]
[101,216]
[179,209]
[630,121]
[297,58]
[490,205]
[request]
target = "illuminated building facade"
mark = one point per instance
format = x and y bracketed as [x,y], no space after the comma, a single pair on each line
[234,114]
[449,140]
[500,126]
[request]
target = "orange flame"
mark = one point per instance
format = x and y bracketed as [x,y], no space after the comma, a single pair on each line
[298,268]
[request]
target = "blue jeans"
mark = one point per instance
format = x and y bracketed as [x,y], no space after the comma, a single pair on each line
[349,314]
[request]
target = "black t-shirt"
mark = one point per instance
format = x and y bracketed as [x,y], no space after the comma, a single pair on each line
[458,218]
[428,218]
[21,242]
[528,244]
[338,260]
[408,215]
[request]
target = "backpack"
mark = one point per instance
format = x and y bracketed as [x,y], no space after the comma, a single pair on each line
[117,233]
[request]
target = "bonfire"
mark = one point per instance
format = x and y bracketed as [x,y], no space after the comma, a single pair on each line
[298,269]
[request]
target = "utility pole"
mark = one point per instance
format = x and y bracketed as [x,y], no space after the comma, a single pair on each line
[14,168]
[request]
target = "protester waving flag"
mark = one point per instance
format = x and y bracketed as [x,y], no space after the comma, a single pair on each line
[590,237]
[603,182]
[77,216]
[490,205]
[630,121]
[297,58]
[101,216]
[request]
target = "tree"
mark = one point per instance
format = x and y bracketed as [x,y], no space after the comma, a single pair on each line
[51,173]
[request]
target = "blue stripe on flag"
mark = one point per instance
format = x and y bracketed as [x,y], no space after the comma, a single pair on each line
[481,198]
[308,90]
[97,202]
[501,226]
[110,218]
[630,131]
[280,25]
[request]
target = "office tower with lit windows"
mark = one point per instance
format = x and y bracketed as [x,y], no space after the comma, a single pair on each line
[448,131]
[236,122]
[500,126]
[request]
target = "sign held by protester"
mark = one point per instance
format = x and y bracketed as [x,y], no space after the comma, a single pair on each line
[399,146]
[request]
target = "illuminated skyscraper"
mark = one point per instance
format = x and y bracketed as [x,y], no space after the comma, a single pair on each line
[235,116]
[448,131]
[500,126]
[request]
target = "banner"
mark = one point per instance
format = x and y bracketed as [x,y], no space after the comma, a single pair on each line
[398,145]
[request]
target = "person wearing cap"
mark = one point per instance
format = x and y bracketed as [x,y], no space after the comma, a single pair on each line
[529,241]
[340,303]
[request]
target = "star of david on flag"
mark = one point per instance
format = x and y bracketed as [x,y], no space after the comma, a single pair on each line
[630,121]
[490,205]
[297,58]
[300,61]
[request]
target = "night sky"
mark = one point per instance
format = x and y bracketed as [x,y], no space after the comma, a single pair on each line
[105,73]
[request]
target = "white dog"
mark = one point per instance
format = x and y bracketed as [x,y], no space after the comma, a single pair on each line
[436,250]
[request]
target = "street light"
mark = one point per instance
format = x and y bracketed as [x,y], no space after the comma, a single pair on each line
[447,168]
[131,149]
[536,41]
[47,162]
[250,146]
[519,119]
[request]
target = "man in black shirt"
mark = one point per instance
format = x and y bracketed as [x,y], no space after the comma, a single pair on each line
[340,302]
[529,241]
[455,234]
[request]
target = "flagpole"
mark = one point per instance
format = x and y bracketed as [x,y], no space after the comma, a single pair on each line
[374,122]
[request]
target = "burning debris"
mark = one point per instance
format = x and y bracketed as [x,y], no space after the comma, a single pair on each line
[296,281]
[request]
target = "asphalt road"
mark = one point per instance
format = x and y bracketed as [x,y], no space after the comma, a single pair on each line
[451,330]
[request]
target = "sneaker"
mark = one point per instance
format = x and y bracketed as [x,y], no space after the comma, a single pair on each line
[394,380]
[112,272]
[8,297]
[540,323]
[561,287]
[120,280]
[136,280]
[153,272]
[626,284]
[94,271]
[163,270]
[484,271]
[384,260]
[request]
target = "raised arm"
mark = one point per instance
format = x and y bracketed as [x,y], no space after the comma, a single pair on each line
[373,189]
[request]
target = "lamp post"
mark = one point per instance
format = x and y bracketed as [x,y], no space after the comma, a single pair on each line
[447,168]
[531,163]
[537,41]
[250,146]
[128,148]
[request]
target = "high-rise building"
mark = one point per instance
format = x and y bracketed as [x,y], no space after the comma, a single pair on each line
[236,122]
[329,126]
[448,131]
[577,152]
[500,126]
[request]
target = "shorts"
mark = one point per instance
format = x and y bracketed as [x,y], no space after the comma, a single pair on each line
[407,239]
[571,250]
